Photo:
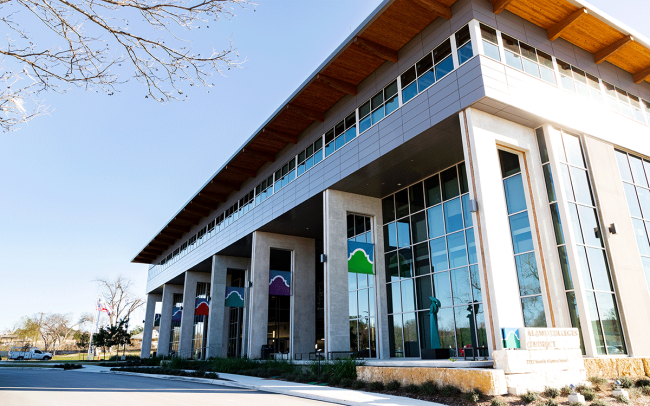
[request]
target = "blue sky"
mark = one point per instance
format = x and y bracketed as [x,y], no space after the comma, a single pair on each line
[83,189]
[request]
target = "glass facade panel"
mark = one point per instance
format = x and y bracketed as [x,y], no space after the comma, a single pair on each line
[441,237]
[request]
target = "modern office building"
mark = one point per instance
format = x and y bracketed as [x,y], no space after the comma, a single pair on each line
[454,168]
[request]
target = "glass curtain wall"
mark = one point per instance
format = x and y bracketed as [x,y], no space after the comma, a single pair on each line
[559,235]
[200,323]
[235,326]
[634,172]
[175,333]
[530,291]
[363,317]
[430,251]
[592,258]
[278,333]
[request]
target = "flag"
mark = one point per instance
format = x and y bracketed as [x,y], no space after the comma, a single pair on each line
[102,306]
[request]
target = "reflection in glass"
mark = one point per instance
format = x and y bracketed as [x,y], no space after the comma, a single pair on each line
[438,254]
[405,263]
[423,292]
[401,203]
[408,295]
[581,186]
[432,191]
[394,305]
[418,227]
[515,196]
[641,237]
[595,323]
[457,250]
[442,289]
[416,197]
[467,214]
[453,216]
[354,311]
[566,271]
[591,231]
[632,202]
[390,237]
[573,150]
[471,246]
[599,269]
[436,221]
[421,260]
[460,286]
[403,233]
[450,187]
[411,344]
[611,323]
[392,267]
[527,274]
[533,308]
[522,238]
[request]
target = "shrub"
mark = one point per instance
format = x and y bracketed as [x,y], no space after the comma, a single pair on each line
[428,388]
[334,380]
[303,378]
[598,402]
[211,375]
[358,385]
[565,390]
[376,386]
[622,399]
[597,380]
[549,402]
[575,404]
[498,402]
[645,390]
[587,392]
[346,382]
[393,385]
[473,396]
[626,381]
[529,397]
[449,391]
[643,382]
[410,388]
[68,366]
[551,393]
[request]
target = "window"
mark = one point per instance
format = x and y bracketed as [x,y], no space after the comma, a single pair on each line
[522,56]
[621,101]
[523,244]
[591,259]
[428,70]
[378,107]
[430,251]
[646,109]
[559,235]
[285,175]
[311,156]
[341,133]
[634,172]
[490,42]
[463,45]
[361,287]
[264,190]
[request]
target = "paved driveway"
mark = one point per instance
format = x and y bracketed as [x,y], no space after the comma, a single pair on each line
[57,387]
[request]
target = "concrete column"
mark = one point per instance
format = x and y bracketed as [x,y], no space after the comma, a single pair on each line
[483,134]
[166,316]
[303,302]
[187,319]
[218,322]
[337,205]
[150,314]
[627,271]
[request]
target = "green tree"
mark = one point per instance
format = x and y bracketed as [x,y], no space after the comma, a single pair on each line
[82,339]
[136,330]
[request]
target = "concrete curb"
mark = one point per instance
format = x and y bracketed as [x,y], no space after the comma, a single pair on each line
[372,398]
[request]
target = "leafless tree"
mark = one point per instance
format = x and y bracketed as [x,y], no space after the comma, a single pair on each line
[55,45]
[56,328]
[118,295]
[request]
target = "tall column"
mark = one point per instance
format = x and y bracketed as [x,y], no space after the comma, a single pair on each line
[626,266]
[150,314]
[166,317]
[303,302]
[337,205]
[217,324]
[187,318]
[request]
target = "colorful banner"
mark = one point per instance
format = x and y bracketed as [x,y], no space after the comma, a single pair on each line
[361,257]
[280,283]
[156,320]
[202,307]
[177,314]
[510,337]
[234,296]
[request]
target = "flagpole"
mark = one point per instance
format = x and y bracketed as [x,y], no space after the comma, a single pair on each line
[90,343]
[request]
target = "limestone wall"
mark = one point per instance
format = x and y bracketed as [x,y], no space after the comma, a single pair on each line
[488,381]
[615,367]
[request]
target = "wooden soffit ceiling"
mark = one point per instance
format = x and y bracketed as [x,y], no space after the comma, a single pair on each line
[585,29]
[391,27]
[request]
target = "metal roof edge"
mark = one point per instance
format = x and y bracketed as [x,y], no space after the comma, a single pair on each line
[378,10]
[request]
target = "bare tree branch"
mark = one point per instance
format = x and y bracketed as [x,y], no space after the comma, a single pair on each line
[93,38]
[119,296]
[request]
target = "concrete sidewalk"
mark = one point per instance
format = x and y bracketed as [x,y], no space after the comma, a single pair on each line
[301,390]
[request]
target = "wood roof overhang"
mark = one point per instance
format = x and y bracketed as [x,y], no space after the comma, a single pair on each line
[377,40]
[588,28]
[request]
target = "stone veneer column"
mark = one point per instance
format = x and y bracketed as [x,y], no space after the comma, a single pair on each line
[627,271]
[166,317]
[217,320]
[303,301]
[150,314]
[336,206]
[192,278]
